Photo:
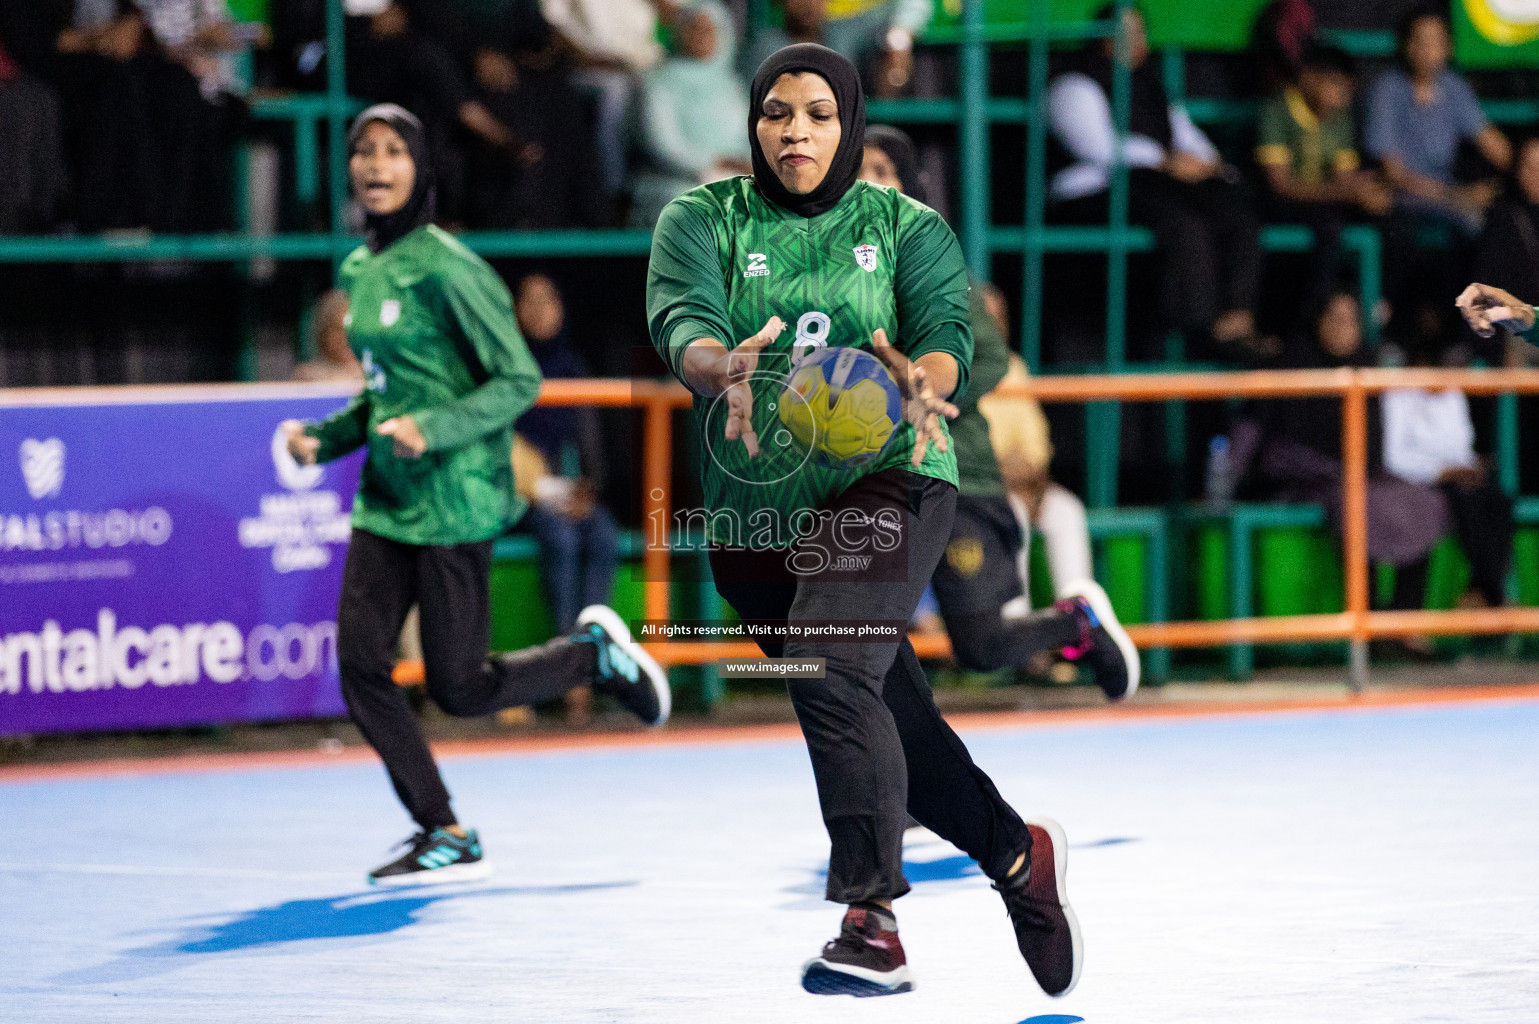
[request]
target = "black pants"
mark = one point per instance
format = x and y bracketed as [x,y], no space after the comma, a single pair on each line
[976,577]
[450,584]
[1483,523]
[1209,238]
[877,742]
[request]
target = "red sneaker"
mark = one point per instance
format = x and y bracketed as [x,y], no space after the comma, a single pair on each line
[1046,929]
[865,960]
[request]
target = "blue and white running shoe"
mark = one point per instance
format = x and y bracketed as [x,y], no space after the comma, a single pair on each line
[625,670]
[435,857]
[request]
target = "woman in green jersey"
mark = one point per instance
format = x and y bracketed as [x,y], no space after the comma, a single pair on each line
[804,547]
[446,374]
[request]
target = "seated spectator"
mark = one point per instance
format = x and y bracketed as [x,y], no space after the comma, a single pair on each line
[1508,253]
[1429,439]
[613,42]
[150,140]
[1024,448]
[550,183]
[1313,174]
[202,36]
[1300,457]
[579,545]
[334,359]
[692,114]
[1418,115]
[389,61]
[1205,227]
[31,152]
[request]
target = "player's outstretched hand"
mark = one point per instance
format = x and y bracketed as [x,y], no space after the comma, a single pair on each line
[1486,308]
[409,442]
[741,364]
[302,446]
[921,405]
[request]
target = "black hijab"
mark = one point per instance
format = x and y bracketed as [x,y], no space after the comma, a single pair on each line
[900,150]
[422,205]
[843,79]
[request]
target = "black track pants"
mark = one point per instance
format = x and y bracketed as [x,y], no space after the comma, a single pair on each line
[451,584]
[879,747]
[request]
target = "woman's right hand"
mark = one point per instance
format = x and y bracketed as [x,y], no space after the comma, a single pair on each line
[738,370]
[302,446]
[1486,308]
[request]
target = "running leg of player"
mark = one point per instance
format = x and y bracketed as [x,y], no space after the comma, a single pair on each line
[977,577]
[380,581]
[954,798]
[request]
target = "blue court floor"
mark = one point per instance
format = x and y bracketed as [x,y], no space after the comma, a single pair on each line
[1295,868]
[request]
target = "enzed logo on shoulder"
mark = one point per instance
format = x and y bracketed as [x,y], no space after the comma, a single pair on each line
[756,266]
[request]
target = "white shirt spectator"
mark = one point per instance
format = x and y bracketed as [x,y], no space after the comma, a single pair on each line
[175,23]
[1081,118]
[1427,432]
[624,30]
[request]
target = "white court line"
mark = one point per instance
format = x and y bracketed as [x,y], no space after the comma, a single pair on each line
[170,872]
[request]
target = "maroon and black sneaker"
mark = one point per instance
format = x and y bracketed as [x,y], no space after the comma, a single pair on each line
[1046,929]
[865,960]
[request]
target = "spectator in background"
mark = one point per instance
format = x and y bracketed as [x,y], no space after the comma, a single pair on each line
[1313,174]
[802,23]
[692,112]
[334,359]
[202,35]
[1418,115]
[1508,254]
[1429,439]
[1300,458]
[1178,185]
[31,152]
[551,183]
[150,150]
[388,61]
[579,541]
[1024,448]
[613,42]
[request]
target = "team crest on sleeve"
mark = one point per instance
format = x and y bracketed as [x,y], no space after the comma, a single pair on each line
[389,312]
[756,267]
[865,255]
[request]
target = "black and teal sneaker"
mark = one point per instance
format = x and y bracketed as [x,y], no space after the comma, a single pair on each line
[435,857]
[625,671]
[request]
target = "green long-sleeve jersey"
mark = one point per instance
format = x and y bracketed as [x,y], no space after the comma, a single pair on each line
[977,468]
[433,325]
[725,259]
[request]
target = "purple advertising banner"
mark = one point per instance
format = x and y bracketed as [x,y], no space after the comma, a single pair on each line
[164,561]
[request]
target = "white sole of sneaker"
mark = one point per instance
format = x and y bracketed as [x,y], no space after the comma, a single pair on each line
[438,876]
[607,619]
[1092,592]
[1060,874]
[824,978]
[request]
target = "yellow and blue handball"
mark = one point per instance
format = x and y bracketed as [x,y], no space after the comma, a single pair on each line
[842,405]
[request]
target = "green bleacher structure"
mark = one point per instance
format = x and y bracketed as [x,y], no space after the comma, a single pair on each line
[1239,561]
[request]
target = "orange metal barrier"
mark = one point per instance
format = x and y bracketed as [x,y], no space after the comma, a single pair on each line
[1357,624]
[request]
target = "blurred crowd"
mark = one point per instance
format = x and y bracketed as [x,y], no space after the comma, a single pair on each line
[1407,150]
[122,114]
